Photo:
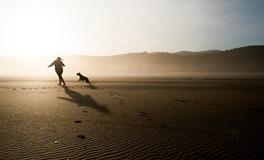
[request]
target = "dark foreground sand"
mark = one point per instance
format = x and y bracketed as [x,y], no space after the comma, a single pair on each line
[132,119]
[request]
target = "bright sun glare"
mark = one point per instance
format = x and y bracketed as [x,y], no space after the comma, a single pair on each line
[32,31]
[105,27]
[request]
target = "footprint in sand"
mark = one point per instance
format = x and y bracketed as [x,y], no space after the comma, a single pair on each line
[13,88]
[180,100]
[145,116]
[197,103]
[81,136]
[111,93]
[142,114]
[121,102]
[116,96]
[163,125]
[212,104]
[149,119]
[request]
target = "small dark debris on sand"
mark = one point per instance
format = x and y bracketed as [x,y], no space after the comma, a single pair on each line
[78,121]
[79,105]
[85,111]
[81,136]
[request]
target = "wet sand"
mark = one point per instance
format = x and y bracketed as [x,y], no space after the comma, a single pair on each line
[132,119]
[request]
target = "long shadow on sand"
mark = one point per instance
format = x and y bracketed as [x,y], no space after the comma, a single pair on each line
[87,101]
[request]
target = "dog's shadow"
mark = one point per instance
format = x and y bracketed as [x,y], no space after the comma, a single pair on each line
[81,100]
[92,86]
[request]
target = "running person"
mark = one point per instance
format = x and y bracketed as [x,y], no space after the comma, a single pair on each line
[58,69]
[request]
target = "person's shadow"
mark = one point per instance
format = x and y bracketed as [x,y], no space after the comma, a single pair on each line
[81,100]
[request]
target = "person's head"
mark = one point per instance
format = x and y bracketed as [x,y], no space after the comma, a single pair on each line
[59,58]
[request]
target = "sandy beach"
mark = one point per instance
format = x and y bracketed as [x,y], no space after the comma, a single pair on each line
[132,118]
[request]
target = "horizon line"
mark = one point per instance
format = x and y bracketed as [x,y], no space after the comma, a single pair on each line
[133,52]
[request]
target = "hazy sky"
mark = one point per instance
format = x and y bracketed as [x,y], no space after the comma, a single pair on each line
[102,27]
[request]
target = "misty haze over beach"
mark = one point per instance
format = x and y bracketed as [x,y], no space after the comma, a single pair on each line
[244,61]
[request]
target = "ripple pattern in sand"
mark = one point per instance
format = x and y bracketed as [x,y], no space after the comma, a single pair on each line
[122,142]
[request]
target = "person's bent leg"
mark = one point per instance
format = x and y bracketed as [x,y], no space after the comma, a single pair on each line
[62,80]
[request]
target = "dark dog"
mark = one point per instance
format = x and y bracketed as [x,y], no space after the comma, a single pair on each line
[83,78]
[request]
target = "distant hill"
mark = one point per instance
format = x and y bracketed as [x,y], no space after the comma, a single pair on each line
[244,59]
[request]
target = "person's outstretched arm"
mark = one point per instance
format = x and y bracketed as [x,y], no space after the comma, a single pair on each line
[62,64]
[51,64]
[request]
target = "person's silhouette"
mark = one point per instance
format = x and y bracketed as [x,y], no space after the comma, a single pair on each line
[59,69]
